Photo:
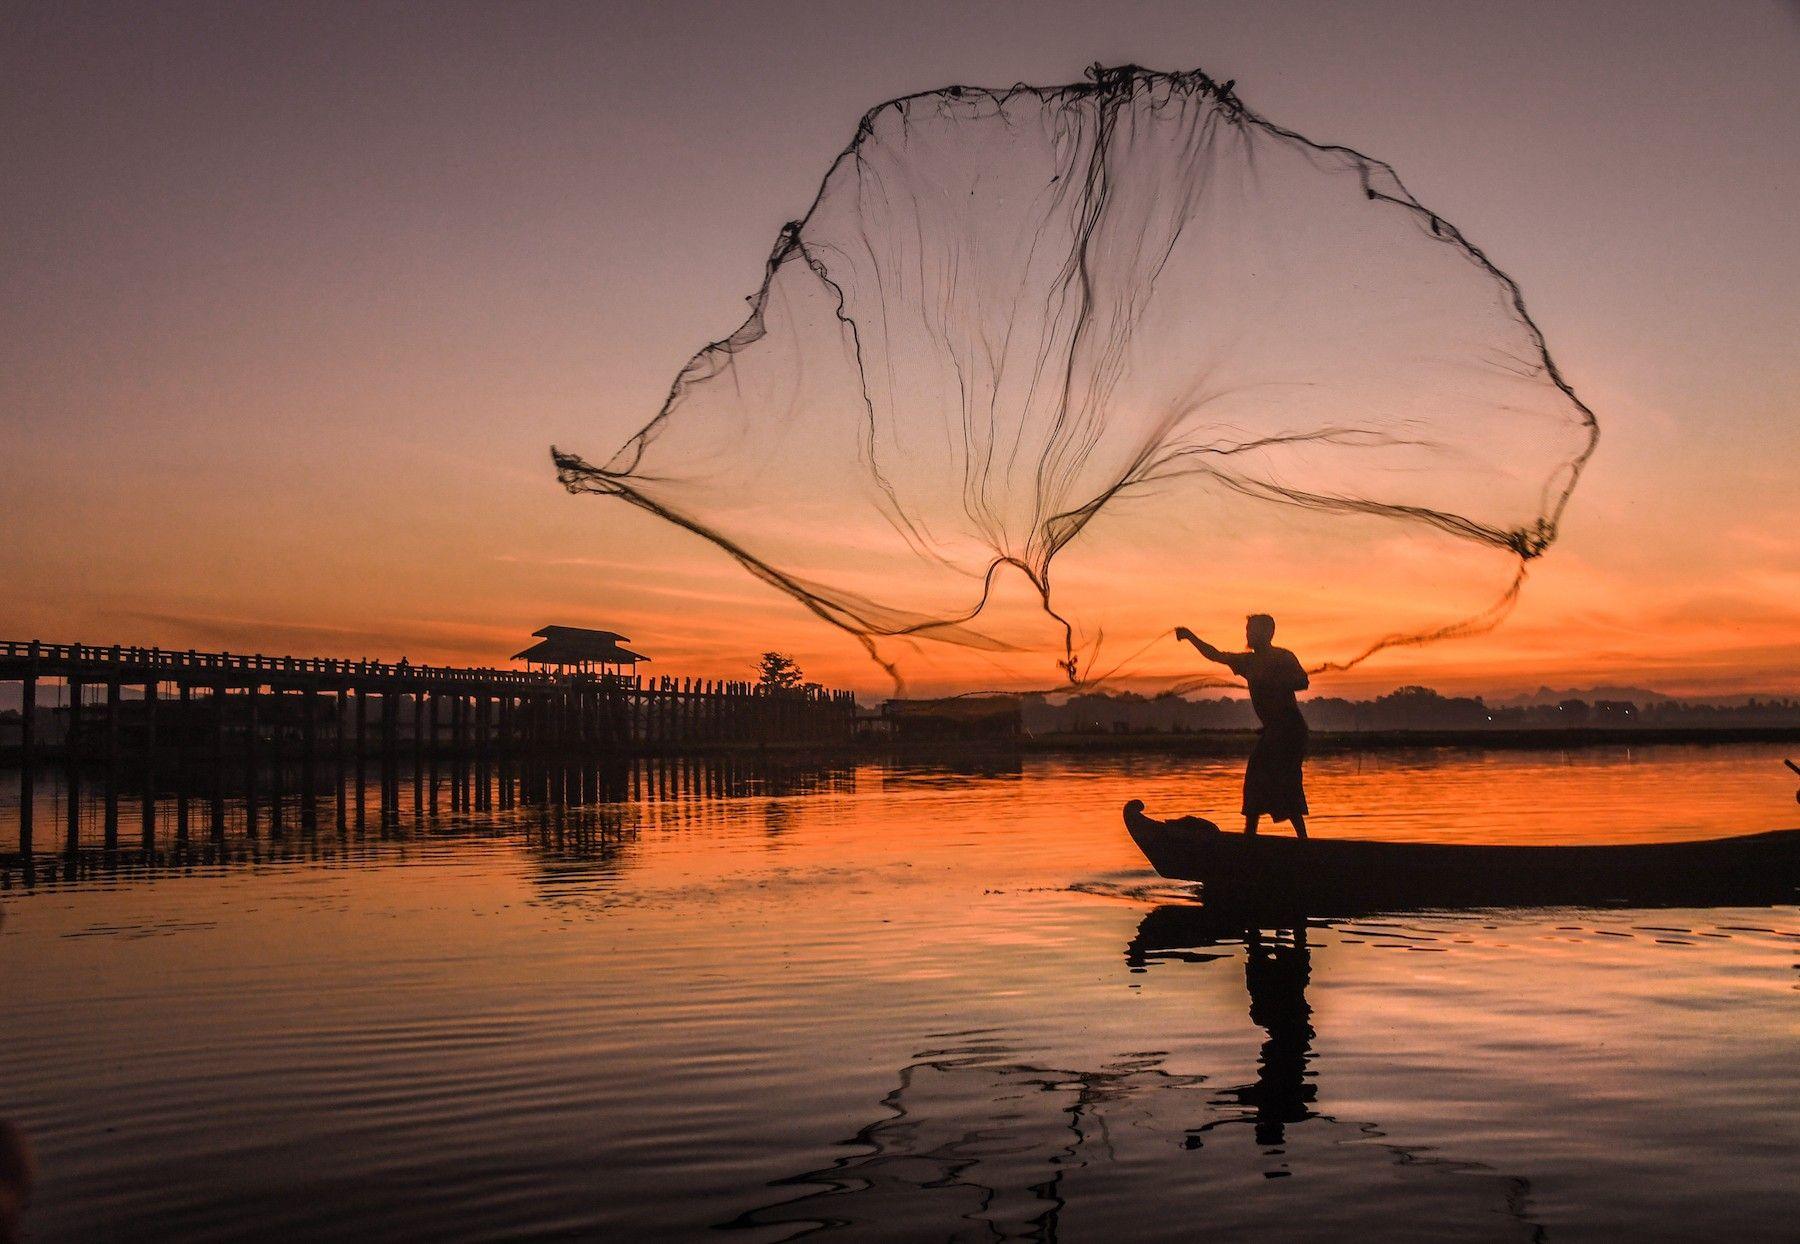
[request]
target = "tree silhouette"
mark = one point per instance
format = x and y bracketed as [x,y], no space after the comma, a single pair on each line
[778,671]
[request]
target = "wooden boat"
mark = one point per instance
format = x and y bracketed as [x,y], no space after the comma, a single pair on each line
[1752,869]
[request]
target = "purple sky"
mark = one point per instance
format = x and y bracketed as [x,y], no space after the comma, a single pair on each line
[295,297]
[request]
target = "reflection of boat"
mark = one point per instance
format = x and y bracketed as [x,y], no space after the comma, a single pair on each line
[1755,868]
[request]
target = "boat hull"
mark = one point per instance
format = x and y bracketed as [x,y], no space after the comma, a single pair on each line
[1754,869]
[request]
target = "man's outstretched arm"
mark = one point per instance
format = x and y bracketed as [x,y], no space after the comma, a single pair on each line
[1206,650]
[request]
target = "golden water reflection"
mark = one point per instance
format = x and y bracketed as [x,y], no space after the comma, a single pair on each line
[900,1002]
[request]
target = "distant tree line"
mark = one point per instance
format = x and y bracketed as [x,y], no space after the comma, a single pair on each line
[1408,708]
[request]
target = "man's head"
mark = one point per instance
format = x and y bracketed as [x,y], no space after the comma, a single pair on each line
[1259,630]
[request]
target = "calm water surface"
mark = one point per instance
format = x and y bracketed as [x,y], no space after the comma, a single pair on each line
[879,1002]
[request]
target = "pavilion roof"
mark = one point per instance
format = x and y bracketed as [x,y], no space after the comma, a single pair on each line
[571,645]
[578,633]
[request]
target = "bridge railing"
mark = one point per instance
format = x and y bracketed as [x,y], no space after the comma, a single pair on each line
[138,658]
[137,661]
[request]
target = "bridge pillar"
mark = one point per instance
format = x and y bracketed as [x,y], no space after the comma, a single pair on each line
[362,752]
[340,702]
[418,753]
[431,753]
[253,757]
[27,764]
[219,693]
[185,695]
[147,806]
[309,757]
[72,760]
[483,755]
[113,692]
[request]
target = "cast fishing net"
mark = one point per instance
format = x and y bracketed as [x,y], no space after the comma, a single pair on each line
[1045,371]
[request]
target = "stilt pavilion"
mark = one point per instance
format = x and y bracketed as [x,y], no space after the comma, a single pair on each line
[578,650]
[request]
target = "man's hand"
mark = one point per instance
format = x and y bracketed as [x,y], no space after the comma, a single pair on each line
[1186,636]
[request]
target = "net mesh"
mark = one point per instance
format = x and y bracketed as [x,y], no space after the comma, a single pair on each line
[1044,371]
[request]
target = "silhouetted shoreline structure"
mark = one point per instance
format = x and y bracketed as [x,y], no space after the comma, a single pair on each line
[578,650]
[987,718]
[208,721]
[1419,709]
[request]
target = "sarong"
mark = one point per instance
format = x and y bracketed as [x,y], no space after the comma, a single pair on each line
[1272,781]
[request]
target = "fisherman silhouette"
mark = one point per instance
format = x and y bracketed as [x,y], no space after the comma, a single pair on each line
[1272,780]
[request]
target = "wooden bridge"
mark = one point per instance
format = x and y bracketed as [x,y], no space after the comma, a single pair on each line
[213,727]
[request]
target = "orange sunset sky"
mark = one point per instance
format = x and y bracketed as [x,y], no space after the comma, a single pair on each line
[296,300]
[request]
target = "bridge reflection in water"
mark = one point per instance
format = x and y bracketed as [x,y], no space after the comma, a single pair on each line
[258,817]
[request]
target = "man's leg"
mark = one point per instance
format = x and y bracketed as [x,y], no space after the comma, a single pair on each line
[1250,824]
[1299,826]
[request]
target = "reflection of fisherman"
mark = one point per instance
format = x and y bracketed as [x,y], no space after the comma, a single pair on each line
[1272,782]
[1275,973]
[1276,976]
